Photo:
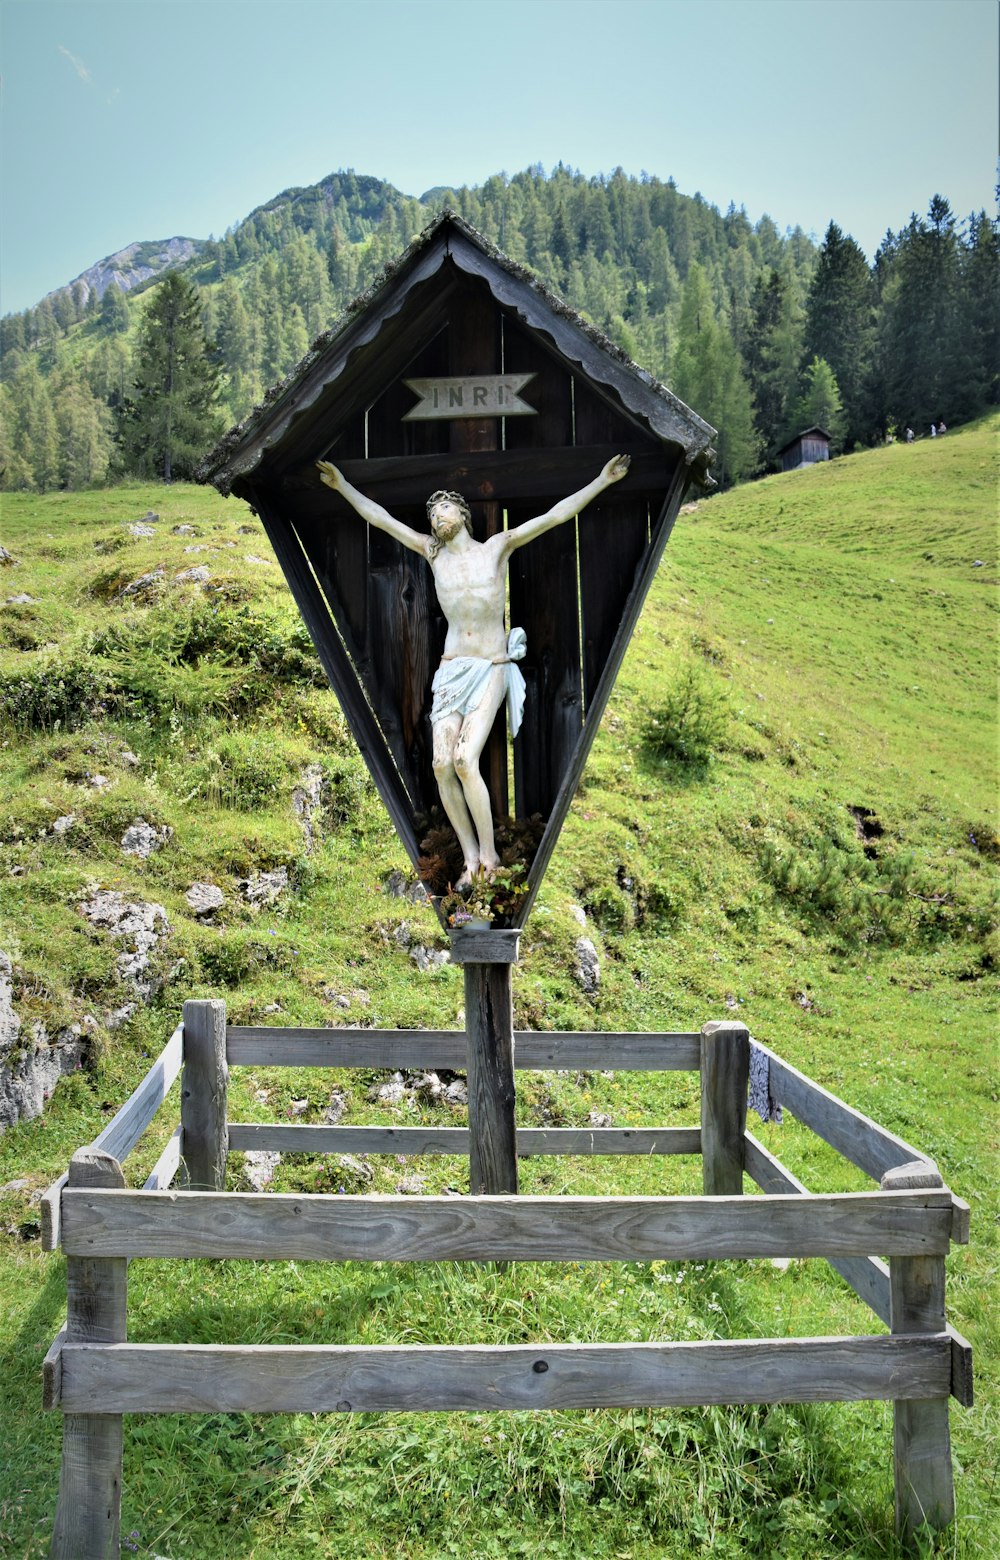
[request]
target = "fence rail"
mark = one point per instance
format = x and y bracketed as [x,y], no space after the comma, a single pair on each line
[95,1376]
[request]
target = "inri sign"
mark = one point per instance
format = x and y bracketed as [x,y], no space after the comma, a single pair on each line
[472,395]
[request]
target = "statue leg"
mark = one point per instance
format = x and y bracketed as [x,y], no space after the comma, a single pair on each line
[446,734]
[476,728]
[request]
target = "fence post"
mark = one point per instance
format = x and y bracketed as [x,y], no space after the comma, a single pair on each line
[921,1449]
[88,1512]
[204,1089]
[725,1070]
[487,957]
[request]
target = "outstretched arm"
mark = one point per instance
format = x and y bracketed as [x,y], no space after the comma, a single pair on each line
[567,507]
[367,508]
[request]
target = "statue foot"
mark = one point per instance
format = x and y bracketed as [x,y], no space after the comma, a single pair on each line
[465,881]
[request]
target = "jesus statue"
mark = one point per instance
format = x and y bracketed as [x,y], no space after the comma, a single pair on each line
[477,670]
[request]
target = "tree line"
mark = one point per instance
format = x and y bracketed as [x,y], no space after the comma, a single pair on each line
[762,333]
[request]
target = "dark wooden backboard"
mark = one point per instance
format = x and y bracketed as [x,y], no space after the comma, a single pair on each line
[370,604]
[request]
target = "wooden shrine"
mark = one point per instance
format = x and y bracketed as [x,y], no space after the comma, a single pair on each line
[531,401]
[460,371]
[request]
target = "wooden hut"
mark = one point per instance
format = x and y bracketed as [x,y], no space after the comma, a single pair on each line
[456,313]
[805,449]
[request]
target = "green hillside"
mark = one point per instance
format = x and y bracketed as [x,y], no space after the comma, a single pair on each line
[789,815]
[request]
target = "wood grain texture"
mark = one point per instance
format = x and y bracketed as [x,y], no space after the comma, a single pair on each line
[725,1065]
[204,1091]
[162,1174]
[88,1509]
[172,1378]
[52,1372]
[331,1228]
[126,1127]
[289,1139]
[925,1489]
[51,1206]
[489,1019]
[248,1046]
[476,945]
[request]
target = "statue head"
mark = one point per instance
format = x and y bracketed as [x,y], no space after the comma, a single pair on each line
[442,496]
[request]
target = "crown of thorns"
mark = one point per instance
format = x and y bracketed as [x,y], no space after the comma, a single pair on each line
[442,496]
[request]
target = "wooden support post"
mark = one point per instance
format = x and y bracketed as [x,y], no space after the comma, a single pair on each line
[487,957]
[725,1069]
[489,1021]
[204,1089]
[925,1490]
[88,1513]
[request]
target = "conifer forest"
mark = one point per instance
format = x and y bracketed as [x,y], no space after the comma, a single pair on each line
[763,333]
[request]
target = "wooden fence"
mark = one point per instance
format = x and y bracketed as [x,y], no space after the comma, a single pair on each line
[95,1376]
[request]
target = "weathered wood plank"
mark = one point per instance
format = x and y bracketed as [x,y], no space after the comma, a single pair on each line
[337,665]
[962,1388]
[126,1127]
[294,1139]
[725,1068]
[474,945]
[204,1091]
[166,1167]
[88,1510]
[52,1372]
[534,474]
[598,698]
[871,1147]
[252,1046]
[332,1228]
[51,1206]
[200,1378]
[489,1018]
[925,1489]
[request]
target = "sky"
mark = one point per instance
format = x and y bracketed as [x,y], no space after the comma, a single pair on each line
[125,120]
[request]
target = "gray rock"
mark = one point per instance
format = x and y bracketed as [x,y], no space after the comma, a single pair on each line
[199,575]
[600,1118]
[356,1167]
[31,1064]
[23,600]
[99,782]
[263,888]
[7,559]
[307,804]
[429,958]
[389,1093]
[184,530]
[204,898]
[259,1166]
[64,824]
[334,1112]
[139,530]
[141,838]
[399,886]
[145,585]
[587,971]
[457,1092]
[139,926]
[252,558]
[197,547]
[411,1186]
[579,914]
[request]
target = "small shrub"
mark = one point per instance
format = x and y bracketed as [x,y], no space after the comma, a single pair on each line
[691,722]
[55,695]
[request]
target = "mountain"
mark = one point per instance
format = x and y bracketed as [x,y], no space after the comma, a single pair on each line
[134,264]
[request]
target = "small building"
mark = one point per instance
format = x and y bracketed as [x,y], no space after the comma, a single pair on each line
[805,449]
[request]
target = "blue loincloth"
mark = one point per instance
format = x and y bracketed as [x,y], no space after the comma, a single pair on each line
[460,684]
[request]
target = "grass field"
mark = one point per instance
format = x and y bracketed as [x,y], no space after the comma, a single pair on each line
[789,816]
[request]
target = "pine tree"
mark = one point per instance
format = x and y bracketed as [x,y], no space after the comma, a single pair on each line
[708,375]
[171,417]
[819,404]
[922,324]
[840,327]
[114,309]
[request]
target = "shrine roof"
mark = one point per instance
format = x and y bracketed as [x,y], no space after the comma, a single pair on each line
[335,354]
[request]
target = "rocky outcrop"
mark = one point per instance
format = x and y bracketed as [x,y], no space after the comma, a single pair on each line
[136,263]
[31,1063]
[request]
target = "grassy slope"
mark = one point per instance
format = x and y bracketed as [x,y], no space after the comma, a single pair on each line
[839,617]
